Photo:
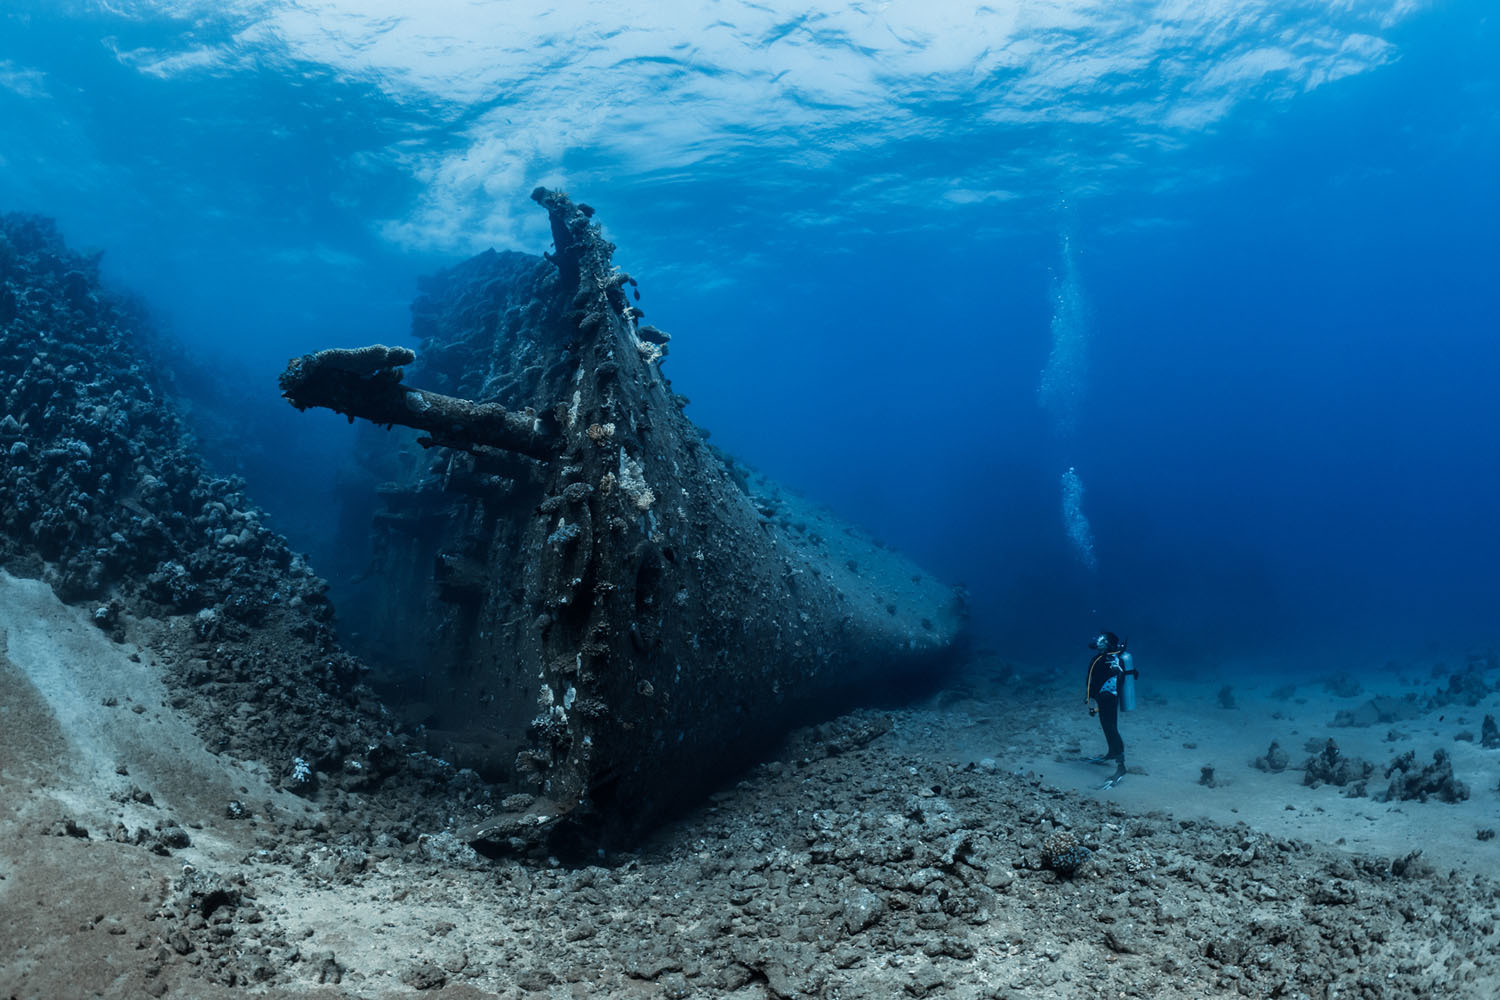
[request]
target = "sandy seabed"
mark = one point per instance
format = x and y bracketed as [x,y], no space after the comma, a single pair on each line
[957,848]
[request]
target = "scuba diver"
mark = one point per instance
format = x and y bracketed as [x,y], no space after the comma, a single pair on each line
[1109,671]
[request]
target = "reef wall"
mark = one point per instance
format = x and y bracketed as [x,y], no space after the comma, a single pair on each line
[608,608]
[103,496]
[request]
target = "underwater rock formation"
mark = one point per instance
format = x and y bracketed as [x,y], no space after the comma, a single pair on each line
[618,612]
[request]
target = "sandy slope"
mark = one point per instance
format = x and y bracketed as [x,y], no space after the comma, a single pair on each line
[880,856]
[87,736]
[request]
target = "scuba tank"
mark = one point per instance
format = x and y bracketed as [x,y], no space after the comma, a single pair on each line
[1127,684]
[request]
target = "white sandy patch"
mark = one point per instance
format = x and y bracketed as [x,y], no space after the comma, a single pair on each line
[1180,727]
[71,730]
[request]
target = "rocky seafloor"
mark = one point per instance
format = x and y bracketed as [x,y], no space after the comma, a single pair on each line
[875,872]
[868,859]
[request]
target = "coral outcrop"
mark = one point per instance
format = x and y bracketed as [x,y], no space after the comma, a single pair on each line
[1064,853]
[1409,780]
[1276,759]
[1332,766]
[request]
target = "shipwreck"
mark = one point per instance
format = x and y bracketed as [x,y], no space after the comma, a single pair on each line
[611,613]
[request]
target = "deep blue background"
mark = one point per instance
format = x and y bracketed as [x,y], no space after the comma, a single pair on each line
[1288,433]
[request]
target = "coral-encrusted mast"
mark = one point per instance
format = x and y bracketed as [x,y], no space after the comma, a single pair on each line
[366,382]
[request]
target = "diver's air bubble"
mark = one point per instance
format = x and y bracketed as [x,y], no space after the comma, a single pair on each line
[1061,388]
[1074,521]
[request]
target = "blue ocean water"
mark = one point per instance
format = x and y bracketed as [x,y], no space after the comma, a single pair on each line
[1173,319]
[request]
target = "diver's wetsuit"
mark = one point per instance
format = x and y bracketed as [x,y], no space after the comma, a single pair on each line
[1104,687]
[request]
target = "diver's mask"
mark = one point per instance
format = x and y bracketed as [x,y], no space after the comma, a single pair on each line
[1106,642]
